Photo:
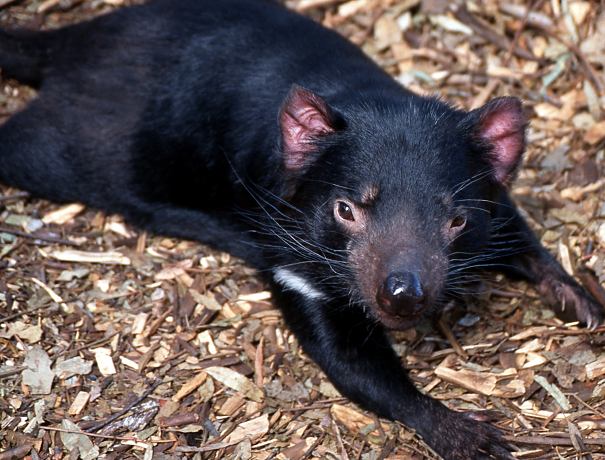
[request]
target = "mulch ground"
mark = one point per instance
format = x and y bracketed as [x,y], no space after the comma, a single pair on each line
[160,348]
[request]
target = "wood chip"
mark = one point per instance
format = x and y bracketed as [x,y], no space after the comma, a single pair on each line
[485,383]
[110,258]
[190,386]
[104,361]
[596,369]
[64,214]
[79,402]
[355,421]
[595,133]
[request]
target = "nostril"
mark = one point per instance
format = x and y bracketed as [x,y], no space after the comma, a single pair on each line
[404,285]
[401,292]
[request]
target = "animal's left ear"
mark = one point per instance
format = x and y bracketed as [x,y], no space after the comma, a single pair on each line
[499,129]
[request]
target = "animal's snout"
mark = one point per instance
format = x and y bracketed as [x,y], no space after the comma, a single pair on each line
[401,294]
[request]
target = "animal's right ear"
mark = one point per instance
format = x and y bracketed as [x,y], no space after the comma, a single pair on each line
[304,119]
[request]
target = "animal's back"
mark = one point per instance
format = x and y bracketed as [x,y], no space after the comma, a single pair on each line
[153,99]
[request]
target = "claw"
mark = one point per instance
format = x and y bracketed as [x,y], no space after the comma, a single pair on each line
[469,437]
[501,453]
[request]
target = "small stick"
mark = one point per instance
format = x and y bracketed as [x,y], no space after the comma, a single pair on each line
[205,447]
[449,335]
[118,414]
[147,356]
[103,436]
[93,344]
[535,5]
[259,377]
[493,83]
[573,331]
[158,322]
[388,448]
[179,419]
[33,236]
[310,450]
[310,4]
[588,406]
[218,444]
[21,313]
[341,446]
[546,441]
[466,17]
[591,74]
[8,372]
[17,452]
[485,93]
[18,195]
[319,405]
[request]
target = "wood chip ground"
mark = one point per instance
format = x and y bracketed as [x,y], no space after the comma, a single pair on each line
[164,349]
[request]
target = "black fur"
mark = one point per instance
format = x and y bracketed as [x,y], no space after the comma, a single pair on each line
[242,125]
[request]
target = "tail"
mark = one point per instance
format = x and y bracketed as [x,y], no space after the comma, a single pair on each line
[22,56]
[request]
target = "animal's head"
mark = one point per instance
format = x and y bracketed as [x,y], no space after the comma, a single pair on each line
[396,197]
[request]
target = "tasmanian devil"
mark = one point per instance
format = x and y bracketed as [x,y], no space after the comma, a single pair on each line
[255,130]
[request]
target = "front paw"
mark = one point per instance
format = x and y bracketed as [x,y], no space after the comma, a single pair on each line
[575,304]
[459,436]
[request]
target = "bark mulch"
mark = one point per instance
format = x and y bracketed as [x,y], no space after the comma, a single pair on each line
[160,348]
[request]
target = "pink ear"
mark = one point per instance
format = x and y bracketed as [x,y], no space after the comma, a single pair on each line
[304,118]
[500,127]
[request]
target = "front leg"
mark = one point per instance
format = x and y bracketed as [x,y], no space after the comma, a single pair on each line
[358,359]
[531,261]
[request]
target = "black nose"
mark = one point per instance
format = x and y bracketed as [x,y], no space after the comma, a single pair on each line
[401,293]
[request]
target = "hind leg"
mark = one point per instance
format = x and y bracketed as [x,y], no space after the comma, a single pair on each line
[52,158]
[534,263]
[219,232]
[32,155]
[20,56]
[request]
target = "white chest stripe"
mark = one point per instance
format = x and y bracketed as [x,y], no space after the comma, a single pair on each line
[292,281]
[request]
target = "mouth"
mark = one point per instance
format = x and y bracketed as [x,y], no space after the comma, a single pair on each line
[398,322]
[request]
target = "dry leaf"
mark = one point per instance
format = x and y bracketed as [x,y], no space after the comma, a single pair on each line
[79,445]
[554,391]
[72,366]
[252,429]
[31,333]
[38,375]
[236,381]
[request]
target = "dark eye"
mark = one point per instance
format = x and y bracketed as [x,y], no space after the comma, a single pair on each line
[344,211]
[458,222]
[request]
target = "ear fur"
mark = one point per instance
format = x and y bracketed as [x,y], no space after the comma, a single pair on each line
[304,118]
[498,128]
